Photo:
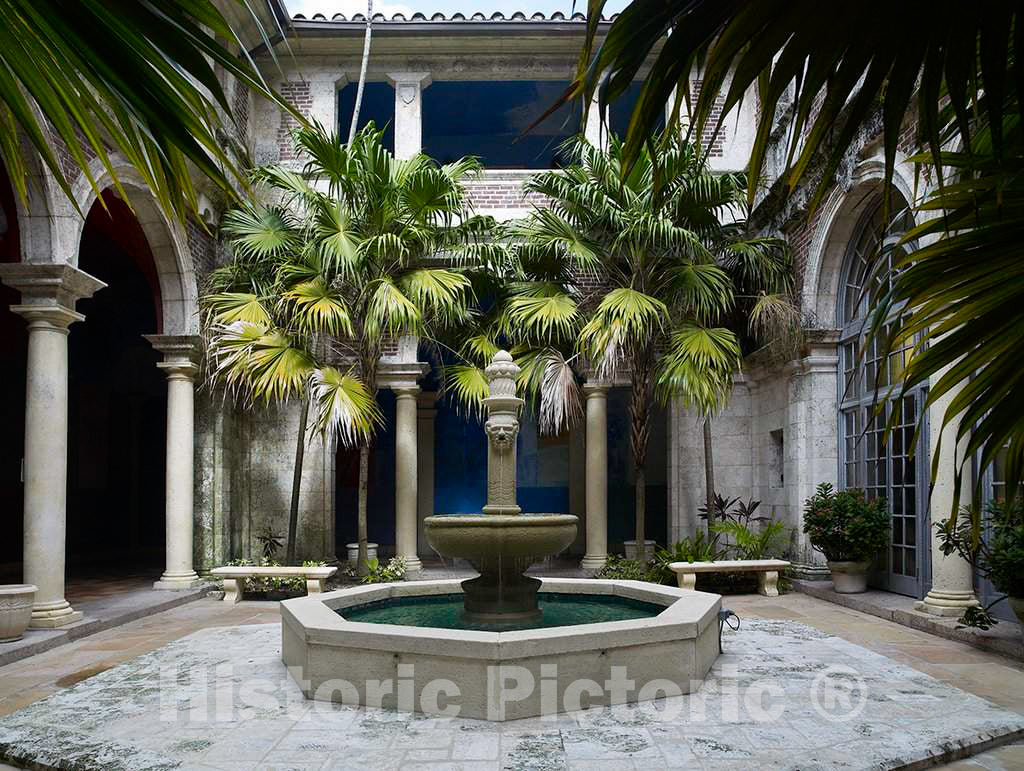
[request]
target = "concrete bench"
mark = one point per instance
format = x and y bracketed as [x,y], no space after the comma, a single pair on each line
[768,580]
[315,577]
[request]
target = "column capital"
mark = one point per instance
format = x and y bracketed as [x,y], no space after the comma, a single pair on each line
[419,80]
[400,374]
[596,388]
[181,354]
[406,390]
[55,317]
[49,285]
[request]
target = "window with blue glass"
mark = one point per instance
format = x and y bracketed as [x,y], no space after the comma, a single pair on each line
[489,119]
[378,106]
[621,110]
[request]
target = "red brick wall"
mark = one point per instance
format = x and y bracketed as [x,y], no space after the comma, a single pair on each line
[298,93]
[715,146]
[203,248]
[240,109]
[501,194]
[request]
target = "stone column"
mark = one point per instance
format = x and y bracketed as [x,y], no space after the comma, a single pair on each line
[49,294]
[426,412]
[952,581]
[408,111]
[597,476]
[180,356]
[406,476]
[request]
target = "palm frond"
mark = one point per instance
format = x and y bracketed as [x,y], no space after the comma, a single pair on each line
[229,307]
[318,308]
[138,78]
[346,410]
[468,386]
[698,366]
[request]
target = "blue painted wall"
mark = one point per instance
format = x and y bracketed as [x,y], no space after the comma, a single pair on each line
[460,466]
[460,473]
[621,478]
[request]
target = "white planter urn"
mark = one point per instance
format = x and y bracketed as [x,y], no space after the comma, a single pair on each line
[15,610]
[633,553]
[353,552]
[849,577]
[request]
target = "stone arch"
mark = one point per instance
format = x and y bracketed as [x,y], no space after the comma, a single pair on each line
[167,241]
[39,211]
[841,214]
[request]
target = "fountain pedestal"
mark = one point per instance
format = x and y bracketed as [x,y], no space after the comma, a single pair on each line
[502,542]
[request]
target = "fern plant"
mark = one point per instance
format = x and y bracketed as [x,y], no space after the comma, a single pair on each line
[753,544]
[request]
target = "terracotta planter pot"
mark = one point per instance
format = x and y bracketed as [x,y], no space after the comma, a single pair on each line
[1017,606]
[15,610]
[633,553]
[849,577]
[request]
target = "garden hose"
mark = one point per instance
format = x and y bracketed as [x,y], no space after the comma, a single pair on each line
[723,618]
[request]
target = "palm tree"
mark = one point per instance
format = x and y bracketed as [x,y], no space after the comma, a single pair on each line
[137,77]
[340,258]
[627,274]
[835,68]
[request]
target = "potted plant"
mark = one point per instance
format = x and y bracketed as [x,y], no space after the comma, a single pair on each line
[15,610]
[849,530]
[998,555]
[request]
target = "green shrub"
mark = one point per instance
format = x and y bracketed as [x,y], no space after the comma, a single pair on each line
[697,548]
[770,540]
[844,526]
[622,569]
[393,570]
[999,556]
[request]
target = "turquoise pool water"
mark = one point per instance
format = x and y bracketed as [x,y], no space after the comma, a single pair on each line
[445,612]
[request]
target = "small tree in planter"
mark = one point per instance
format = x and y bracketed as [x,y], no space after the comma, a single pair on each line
[849,530]
[999,557]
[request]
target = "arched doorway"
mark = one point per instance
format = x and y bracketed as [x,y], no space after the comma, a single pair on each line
[117,403]
[13,340]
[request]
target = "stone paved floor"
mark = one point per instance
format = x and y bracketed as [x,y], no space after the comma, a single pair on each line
[106,601]
[989,676]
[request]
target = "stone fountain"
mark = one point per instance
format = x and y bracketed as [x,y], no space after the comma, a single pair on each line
[495,637]
[502,542]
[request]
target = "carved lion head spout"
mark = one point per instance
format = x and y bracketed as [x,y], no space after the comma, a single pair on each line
[502,435]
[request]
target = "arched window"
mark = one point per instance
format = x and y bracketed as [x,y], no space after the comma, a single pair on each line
[869,397]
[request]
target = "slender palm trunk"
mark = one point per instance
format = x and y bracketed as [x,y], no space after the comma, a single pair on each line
[368,367]
[640,429]
[362,72]
[293,511]
[709,473]
[364,476]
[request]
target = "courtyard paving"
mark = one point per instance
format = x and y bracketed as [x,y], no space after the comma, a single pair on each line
[105,709]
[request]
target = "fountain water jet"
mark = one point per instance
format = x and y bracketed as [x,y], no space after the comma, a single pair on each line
[502,542]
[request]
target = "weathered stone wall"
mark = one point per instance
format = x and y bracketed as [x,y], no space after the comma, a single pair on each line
[244,465]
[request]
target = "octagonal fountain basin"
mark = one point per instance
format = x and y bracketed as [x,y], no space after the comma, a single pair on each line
[596,642]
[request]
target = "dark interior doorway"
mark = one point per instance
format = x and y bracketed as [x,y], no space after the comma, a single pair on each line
[117,405]
[13,340]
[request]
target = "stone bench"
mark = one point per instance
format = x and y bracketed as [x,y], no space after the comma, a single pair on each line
[315,577]
[768,580]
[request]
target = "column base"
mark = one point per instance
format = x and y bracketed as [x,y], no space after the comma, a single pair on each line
[938,603]
[49,615]
[177,581]
[593,561]
[413,564]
